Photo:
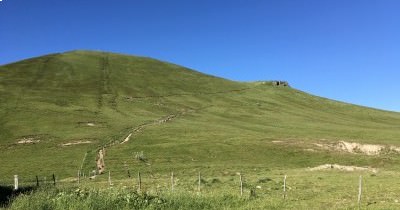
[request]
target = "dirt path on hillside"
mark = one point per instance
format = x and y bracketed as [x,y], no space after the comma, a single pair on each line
[100,163]
[100,157]
[155,122]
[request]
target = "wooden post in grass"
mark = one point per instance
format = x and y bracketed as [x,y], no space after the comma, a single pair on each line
[172,181]
[284,187]
[37,181]
[359,191]
[241,184]
[139,182]
[54,180]
[109,178]
[199,187]
[129,174]
[15,182]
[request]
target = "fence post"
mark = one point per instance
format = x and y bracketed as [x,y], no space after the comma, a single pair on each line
[199,181]
[284,187]
[172,181]
[359,191]
[241,184]
[54,180]
[140,182]
[109,178]
[15,182]
[37,181]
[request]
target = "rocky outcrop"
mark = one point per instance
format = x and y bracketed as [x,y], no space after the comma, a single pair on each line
[280,83]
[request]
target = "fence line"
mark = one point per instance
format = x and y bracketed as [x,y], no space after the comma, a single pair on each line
[16,181]
[251,189]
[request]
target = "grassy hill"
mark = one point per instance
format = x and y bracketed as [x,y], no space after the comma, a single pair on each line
[58,110]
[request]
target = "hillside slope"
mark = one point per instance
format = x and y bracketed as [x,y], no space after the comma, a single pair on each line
[58,110]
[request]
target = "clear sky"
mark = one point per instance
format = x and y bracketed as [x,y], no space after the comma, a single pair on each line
[348,50]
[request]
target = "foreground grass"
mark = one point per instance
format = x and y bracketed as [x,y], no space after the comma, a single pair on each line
[122,199]
[305,190]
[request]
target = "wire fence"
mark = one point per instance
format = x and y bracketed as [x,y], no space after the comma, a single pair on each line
[285,186]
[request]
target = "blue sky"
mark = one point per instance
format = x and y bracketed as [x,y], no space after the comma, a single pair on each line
[348,50]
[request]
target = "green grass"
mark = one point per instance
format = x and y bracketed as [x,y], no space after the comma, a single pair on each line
[219,125]
[305,190]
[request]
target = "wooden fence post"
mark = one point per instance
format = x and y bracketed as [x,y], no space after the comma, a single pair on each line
[359,191]
[109,178]
[199,188]
[284,187]
[15,182]
[139,182]
[241,184]
[54,180]
[172,181]
[37,181]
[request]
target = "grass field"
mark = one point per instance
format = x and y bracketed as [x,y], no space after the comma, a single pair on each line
[305,190]
[183,121]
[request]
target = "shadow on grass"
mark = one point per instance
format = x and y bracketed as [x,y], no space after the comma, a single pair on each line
[7,194]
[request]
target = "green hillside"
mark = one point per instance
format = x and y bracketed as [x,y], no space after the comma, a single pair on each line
[178,118]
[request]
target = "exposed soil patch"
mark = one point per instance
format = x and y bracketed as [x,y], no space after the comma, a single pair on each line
[340,146]
[352,147]
[76,143]
[342,168]
[277,141]
[28,140]
[90,124]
